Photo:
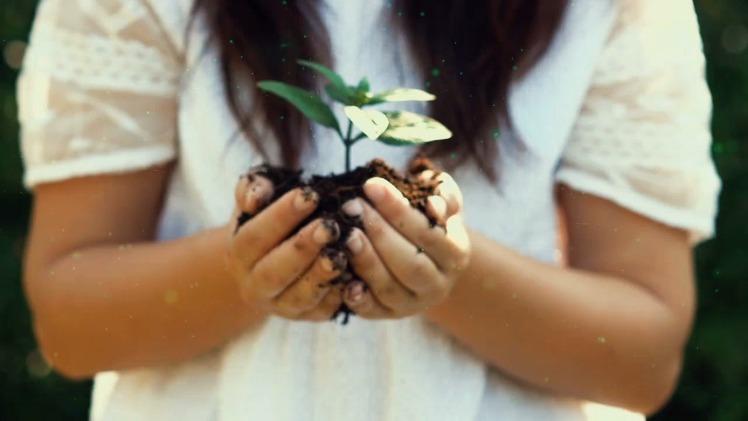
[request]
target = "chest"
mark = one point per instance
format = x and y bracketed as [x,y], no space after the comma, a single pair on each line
[518,210]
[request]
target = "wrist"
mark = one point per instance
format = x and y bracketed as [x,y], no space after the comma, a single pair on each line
[217,245]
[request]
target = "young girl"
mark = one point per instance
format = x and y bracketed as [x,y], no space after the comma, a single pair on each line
[139,116]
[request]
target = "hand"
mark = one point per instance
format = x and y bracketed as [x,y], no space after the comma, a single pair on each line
[407,264]
[288,277]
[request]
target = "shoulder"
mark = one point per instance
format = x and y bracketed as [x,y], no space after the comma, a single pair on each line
[642,138]
[91,73]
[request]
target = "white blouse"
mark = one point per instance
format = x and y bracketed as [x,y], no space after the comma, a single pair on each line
[618,108]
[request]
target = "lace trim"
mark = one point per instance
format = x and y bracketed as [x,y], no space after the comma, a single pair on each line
[98,62]
[639,143]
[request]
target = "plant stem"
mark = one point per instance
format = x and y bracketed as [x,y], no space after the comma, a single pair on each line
[348,143]
[358,137]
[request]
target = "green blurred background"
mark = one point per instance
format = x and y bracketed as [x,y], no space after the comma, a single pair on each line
[714,385]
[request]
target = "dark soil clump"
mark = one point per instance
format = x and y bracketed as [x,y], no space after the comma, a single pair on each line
[336,189]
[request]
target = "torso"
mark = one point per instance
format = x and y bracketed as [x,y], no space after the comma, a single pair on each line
[394,370]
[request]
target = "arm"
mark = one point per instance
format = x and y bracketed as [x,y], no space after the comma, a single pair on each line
[609,329]
[106,297]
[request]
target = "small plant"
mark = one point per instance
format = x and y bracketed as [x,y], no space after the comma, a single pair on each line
[391,127]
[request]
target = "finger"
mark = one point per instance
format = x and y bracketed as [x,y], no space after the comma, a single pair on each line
[369,267]
[410,222]
[405,261]
[326,308]
[364,304]
[234,224]
[451,193]
[274,224]
[436,207]
[274,272]
[457,233]
[253,192]
[426,175]
[306,293]
[447,188]
[240,190]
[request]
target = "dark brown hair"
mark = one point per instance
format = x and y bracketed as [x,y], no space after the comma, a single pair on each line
[469,52]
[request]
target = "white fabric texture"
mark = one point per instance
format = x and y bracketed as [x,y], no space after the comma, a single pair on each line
[642,138]
[614,109]
[98,90]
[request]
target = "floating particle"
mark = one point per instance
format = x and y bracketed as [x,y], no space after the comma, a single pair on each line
[735,39]
[488,284]
[171,296]
[36,365]
[13,54]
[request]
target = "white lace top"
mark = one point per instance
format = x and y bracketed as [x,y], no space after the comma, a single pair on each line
[618,108]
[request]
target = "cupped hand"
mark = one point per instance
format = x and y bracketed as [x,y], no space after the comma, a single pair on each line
[285,276]
[407,264]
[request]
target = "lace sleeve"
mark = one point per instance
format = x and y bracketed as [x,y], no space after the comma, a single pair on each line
[97,93]
[642,138]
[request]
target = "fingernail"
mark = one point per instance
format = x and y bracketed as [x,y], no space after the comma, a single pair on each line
[241,186]
[353,208]
[374,190]
[354,243]
[327,264]
[305,199]
[327,231]
[355,292]
[256,197]
[334,260]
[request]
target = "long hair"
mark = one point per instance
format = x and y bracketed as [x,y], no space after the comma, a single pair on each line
[478,47]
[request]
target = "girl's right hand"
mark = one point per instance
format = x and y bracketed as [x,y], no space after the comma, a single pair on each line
[285,276]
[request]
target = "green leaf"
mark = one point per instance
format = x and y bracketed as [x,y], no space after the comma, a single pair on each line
[363,86]
[333,77]
[406,128]
[400,95]
[371,122]
[307,102]
[343,96]
[340,91]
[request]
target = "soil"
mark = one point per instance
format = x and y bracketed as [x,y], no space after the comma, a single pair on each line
[336,189]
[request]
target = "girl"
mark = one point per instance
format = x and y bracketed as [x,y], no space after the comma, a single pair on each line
[138,117]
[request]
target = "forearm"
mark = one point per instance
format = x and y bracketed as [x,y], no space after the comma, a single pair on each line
[576,333]
[125,306]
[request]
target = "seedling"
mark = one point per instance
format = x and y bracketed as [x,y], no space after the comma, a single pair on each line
[398,128]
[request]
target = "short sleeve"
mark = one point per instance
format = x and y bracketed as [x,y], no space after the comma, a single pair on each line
[642,138]
[98,90]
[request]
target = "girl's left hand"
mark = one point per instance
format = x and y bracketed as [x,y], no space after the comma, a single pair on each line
[408,265]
